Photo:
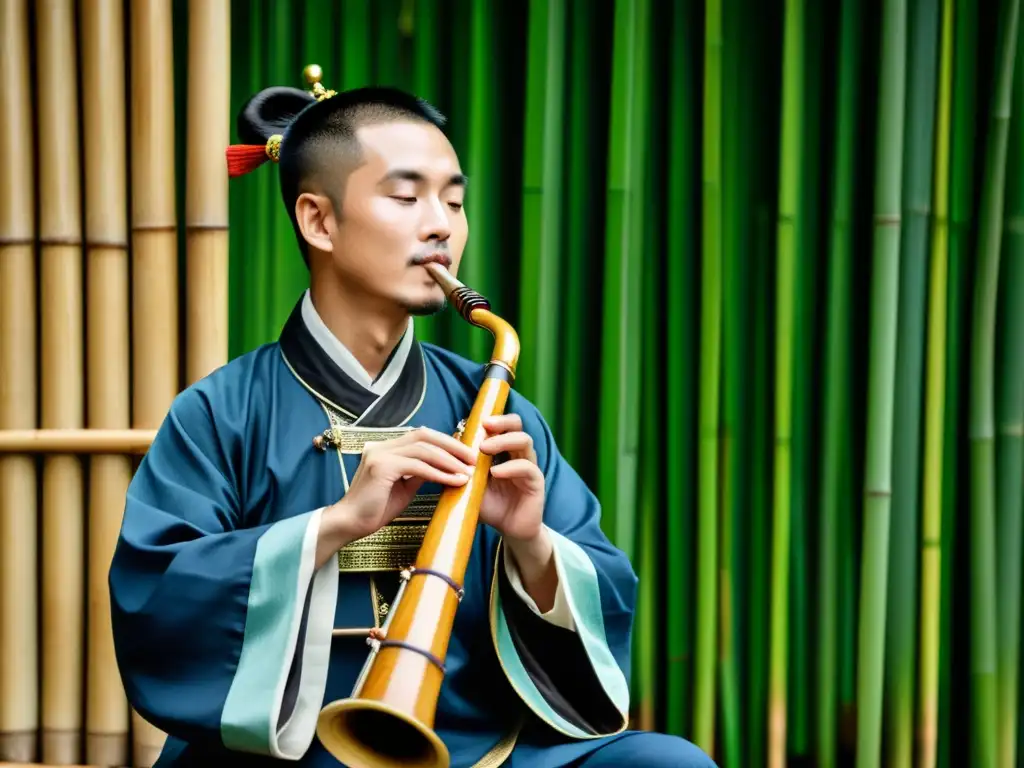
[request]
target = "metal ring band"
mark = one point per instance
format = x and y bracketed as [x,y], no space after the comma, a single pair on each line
[409,647]
[459,591]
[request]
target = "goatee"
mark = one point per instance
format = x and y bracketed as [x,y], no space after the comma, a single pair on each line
[427,308]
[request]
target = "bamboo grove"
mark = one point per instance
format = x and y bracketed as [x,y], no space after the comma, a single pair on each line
[766,260]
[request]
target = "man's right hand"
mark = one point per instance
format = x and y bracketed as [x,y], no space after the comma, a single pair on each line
[388,477]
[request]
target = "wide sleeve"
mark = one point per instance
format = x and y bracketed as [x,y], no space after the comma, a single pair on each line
[222,631]
[575,679]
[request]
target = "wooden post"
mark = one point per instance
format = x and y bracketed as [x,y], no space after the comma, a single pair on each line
[155,373]
[56,81]
[108,385]
[19,593]
[206,206]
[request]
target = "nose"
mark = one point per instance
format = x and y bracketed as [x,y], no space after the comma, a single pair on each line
[435,224]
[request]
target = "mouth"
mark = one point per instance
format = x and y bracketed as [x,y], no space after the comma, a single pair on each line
[435,257]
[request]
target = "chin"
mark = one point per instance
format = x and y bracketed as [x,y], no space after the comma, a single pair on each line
[426,307]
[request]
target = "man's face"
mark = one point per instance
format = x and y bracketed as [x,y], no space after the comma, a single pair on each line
[402,205]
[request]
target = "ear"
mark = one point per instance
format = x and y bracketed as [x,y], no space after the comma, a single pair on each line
[315,216]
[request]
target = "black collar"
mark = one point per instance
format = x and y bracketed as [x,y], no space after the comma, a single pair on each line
[315,369]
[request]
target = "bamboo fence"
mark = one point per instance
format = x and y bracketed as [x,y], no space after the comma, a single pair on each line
[765,258]
[89,341]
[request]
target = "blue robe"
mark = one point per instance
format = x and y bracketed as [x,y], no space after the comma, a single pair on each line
[225,631]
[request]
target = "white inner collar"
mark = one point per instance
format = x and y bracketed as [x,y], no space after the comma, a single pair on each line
[345,360]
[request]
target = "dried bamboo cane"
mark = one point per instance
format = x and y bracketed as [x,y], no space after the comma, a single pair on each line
[90,441]
[206,202]
[60,229]
[19,594]
[108,386]
[155,376]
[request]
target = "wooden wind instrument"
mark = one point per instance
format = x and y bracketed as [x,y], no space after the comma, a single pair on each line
[62,363]
[388,720]
[19,607]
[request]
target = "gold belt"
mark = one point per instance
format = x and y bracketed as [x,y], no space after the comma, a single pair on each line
[394,546]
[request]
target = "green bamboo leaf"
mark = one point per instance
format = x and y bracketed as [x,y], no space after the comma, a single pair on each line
[884,307]
[982,410]
[837,423]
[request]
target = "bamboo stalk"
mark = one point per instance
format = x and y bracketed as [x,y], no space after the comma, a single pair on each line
[88,441]
[787,244]
[427,82]
[542,199]
[63,623]
[935,405]
[617,449]
[884,306]
[709,392]
[982,411]
[19,606]
[917,194]
[579,335]
[155,376]
[206,201]
[1010,435]
[108,386]
[962,195]
[681,359]
[836,425]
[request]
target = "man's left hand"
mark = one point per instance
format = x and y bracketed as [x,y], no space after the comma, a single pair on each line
[514,501]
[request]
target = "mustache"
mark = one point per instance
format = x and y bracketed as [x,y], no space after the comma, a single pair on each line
[438,255]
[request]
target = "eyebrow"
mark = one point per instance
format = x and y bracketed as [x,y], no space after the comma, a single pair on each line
[405,174]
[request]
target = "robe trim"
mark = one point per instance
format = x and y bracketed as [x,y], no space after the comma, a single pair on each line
[275,696]
[578,577]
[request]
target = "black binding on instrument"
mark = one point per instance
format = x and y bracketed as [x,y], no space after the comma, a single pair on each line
[459,591]
[409,647]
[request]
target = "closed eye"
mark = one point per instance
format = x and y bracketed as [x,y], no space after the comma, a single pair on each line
[407,200]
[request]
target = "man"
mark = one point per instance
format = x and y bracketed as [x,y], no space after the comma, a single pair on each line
[266,527]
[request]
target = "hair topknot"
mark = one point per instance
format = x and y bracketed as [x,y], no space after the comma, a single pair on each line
[270,112]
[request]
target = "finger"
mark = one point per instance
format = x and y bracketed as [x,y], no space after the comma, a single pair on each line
[435,456]
[441,440]
[421,469]
[508,422]
[519,444]
[518,469]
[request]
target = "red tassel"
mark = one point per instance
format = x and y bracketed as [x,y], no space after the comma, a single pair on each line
[244,158]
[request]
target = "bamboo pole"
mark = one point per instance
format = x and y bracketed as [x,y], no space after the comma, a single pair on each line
[884,300]
[19,607]
[155,377]
[935,405]
[984,673]
[787,244]
[709,388]
[836,425]
[60,223]
[90,441]
[108,386]
[206,202]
